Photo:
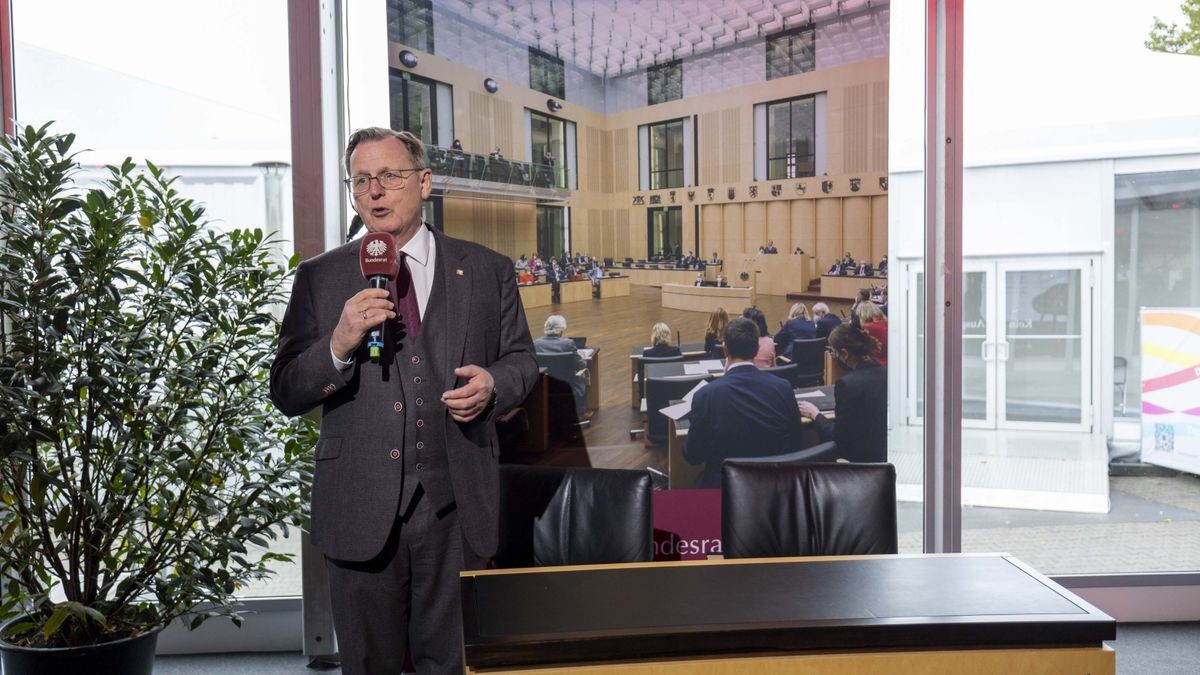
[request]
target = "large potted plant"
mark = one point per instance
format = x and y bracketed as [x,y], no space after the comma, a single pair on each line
[142,471]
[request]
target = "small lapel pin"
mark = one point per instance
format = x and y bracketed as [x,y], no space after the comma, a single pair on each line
[458,272]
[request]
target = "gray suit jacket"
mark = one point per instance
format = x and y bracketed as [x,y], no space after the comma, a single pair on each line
[356,484]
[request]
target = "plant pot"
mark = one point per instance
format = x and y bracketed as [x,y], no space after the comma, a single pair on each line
[128,656]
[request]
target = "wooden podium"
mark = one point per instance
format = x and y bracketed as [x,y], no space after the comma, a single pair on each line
[774,274]
[985,613]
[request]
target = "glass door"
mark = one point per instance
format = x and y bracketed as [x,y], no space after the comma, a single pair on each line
[1044,344]
[1027,352]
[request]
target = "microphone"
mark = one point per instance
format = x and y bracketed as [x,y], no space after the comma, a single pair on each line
[377,260]
[356,224]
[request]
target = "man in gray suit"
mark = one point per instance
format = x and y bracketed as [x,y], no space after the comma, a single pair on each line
[406,478]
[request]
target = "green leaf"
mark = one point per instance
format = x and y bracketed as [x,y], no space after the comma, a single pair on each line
[55,621]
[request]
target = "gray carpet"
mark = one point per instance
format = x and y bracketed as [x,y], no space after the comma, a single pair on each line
[1151,648]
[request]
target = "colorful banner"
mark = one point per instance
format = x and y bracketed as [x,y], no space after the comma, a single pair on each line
[1171,388]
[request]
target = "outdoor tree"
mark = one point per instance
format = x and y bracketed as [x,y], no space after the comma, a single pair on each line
[1175,38]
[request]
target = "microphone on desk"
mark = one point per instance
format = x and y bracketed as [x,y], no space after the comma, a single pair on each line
[378,262]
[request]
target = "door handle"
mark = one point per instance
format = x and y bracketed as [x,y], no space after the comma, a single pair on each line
[983,351]
[1003,356]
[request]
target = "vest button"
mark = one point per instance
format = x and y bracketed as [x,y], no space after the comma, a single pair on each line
[420,445]
[420,401]
[395,453]
[420,423]
[416,360]
[398,406]
[416,380]
[420,466]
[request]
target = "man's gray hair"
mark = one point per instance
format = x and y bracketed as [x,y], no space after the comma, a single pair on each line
[555,325]
[416,149]
[820,308]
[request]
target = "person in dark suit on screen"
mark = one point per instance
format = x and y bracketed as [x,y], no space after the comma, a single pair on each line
[798,327]
[746,413]
[660,342]
[826,320]
[553,342]
[860,399]
[405,488]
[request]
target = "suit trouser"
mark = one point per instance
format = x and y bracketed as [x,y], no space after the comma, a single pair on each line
[407,596]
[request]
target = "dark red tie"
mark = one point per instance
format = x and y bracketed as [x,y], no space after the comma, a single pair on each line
[404,295]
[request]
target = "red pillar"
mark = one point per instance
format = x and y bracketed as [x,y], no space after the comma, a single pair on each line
[8,102]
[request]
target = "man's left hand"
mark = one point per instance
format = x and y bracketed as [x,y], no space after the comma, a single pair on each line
[466,402]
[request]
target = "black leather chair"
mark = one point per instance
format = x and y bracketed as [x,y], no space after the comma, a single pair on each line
[809,357]
[660,391]
[641,370]
[573,516]
[789,372]
[779,509]
[565,402]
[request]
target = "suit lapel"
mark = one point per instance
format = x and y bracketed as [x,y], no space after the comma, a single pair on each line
[459,277]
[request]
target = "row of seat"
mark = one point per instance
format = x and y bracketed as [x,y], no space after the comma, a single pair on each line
[769,508]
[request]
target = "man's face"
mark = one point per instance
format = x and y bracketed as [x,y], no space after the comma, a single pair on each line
[397,212]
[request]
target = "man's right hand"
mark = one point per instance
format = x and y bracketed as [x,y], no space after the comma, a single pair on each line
[366,310]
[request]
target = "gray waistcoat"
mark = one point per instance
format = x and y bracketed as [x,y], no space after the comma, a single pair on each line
[421,383]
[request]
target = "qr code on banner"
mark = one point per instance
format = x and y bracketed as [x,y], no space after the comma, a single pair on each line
[1164,438]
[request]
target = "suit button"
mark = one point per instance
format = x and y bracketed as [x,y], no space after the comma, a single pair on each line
[420,445]
[420,466]
[420,423]
[416,360]
[398,406]
[395,453]
[420,401]
[416,380]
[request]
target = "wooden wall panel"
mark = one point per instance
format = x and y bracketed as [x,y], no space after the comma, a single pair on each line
[606,162]
[755,226]
[456,215]
[595,233]
[621,229]
[710,152]
[478,138]
[856,226]
[804,225]
[712,229]
[731,145]
[779,228]
[856,130]
[608,232]
[502,130]
[829,232]
[506,229]
[481,223]
[593,140]
[879,127]
[624,160]
[879,227]
[525,225]
[735,230]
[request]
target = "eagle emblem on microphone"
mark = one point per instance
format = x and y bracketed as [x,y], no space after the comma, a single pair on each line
[376,247]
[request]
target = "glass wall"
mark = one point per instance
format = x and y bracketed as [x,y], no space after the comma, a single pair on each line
[791,138]
[553,231]
[548,150]
[1157,245]
[1062,250]
[414,105]
[664,232]
[666,154]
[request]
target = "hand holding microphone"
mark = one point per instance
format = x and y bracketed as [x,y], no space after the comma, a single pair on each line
[366,312]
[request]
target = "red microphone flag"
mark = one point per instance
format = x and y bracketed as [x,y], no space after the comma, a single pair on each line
[377,256]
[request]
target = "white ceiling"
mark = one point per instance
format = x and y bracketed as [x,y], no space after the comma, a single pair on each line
[611,37]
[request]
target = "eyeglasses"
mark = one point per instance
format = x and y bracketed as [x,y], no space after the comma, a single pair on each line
[393,179]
